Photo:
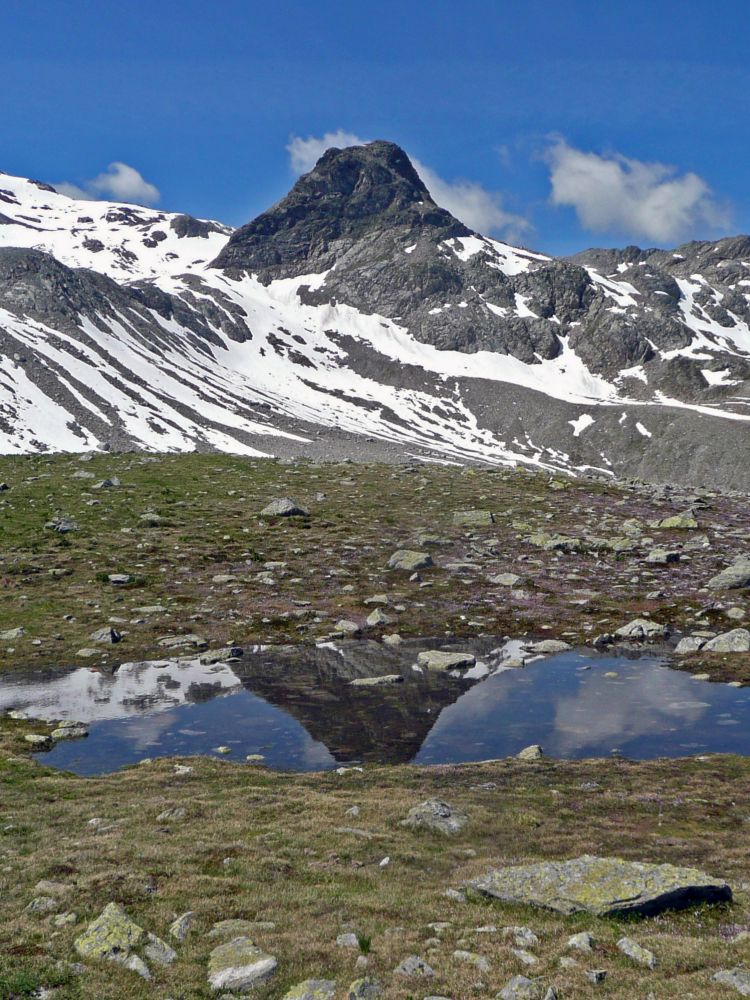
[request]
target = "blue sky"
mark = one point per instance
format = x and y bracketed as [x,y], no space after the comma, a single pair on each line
[571,123]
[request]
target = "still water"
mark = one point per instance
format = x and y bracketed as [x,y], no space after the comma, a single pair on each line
[297,707]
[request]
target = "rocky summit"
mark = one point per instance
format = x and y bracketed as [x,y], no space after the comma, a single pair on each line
[357,318]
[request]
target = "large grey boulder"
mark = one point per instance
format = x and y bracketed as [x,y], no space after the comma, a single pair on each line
[284,507]
[239,965]
[736,641]
[734,577]
[602,886]
[436,815]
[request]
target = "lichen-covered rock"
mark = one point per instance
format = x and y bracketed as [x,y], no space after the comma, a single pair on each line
[181,927]
[364,989]
[433,814]
[681,522]
[602,886]
[114,936]
[439,659]
[312,989]
[239,965]
[410,560]
[533,752]
[158,951]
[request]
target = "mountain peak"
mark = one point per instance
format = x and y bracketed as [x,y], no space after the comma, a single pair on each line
[347,195]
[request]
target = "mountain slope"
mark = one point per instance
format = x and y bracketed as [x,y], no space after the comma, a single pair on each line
[358,309]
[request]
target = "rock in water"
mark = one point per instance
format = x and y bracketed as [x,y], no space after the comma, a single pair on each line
[606,887]
[284,507]
[239,965]
[436,815]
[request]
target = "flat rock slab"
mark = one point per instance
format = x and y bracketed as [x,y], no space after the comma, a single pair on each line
[606,887]
[239,965]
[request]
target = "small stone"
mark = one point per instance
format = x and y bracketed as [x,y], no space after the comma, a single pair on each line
[434,814]
[42,904]
[525,956]
[38,741]
[689,644]
[682,522]
[284,507]
[312,989]
[347,941]
[414,966]
[473,519]
[596,975]
[472,958]
[521,988]
[379,617]
[634,951]
[581,942]
[347,627]
[119,579]
[181,927]
[506,579]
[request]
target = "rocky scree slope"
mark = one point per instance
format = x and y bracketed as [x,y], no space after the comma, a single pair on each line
[356,307]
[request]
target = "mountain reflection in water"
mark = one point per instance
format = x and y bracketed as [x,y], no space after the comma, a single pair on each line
[297,707]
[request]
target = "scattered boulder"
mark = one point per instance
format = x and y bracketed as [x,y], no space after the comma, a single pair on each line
[736,641]
[506,579]
[439,659]
[521,988]
[473,518]
[239,965]
[284,507]
[433,814]
[62,525]
[471,958]
[364,989]
[410,561]
[642,628]
[115,937]
[582,941]
[414,966]
[738,979]
[601,886]
[678,522]
[662,557]
[734,577]
[106,636]
[636,952]
[533,752]
[11,634]
[312,989]
[689,644]
[379,617]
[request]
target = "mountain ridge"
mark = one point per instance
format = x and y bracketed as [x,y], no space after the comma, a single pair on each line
[354,309]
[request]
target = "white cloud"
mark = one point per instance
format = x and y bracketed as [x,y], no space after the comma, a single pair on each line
[615,193]
[469,201]
[118,182]
[305,153]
